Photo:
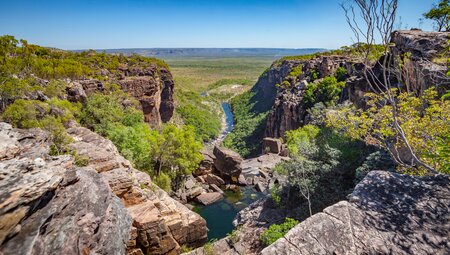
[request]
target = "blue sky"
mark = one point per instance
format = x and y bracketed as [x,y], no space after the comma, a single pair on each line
[97,24]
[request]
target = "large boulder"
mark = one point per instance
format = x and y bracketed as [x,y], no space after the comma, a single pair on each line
[228,163]
[207,164]
[209,198]
[387,213]
[272,145]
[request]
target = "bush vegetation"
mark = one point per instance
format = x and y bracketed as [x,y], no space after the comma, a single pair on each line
[277,231]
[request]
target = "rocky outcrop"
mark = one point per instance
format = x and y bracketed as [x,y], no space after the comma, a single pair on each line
[227,163]
[153,87]
[387,213]
[423,66]
[161,224]
[50,206]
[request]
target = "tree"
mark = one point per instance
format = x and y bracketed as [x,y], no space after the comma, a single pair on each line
[372,23]
[440,14]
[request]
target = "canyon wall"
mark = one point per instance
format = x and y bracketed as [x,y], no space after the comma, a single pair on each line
[151,85]
[421,53]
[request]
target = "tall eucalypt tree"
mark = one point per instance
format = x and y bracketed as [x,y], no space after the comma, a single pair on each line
[372,23]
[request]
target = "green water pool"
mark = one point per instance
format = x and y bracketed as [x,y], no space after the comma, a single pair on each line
[219,216]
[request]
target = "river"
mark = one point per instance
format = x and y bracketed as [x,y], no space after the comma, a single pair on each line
[219,216]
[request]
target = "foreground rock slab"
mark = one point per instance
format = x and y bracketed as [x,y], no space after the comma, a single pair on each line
[387,213]
[50,206]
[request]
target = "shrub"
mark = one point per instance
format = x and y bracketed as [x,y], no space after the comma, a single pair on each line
[163,181]
[341,74]
[296,71]
[277,231]
[326,91]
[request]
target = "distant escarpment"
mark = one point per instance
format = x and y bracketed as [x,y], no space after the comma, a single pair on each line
[282,88]
[93,202]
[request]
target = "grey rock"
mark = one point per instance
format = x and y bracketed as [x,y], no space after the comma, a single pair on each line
[387,213]
[56,208]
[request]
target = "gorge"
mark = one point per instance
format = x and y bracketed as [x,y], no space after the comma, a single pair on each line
[236,151]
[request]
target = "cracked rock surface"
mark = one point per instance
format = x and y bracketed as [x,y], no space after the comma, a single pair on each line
[387,213]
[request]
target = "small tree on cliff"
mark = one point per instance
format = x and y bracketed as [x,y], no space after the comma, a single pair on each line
[440,14]
[372,23]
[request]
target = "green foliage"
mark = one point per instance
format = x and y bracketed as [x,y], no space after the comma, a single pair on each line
[23,58]
[326,91]
[207,126]
[277,231]
[300,140]
[163,181]
[184,249]
[275,194]
[195,112]
[322,166]
[234,236]
[424,120]
[341,73]
[296,71]
[101,111]
[50,116]
[440,14]
[165,155]
[208,248]
[379,160]
[246,137]
[80,160]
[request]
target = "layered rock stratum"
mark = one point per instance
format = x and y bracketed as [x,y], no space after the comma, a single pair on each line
[48,205]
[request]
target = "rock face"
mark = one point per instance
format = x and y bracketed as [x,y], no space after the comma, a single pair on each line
[153,88]
[161,224]
[227,163]
[387,213]
[419,50]
[50,206]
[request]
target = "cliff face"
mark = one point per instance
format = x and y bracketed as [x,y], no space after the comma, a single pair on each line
[49,205]
[151,85]
[420,70]
[153,88]
[387,213]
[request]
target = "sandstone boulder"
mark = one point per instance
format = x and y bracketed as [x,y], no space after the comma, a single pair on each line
[209,198]
[228,163]
[272,145]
